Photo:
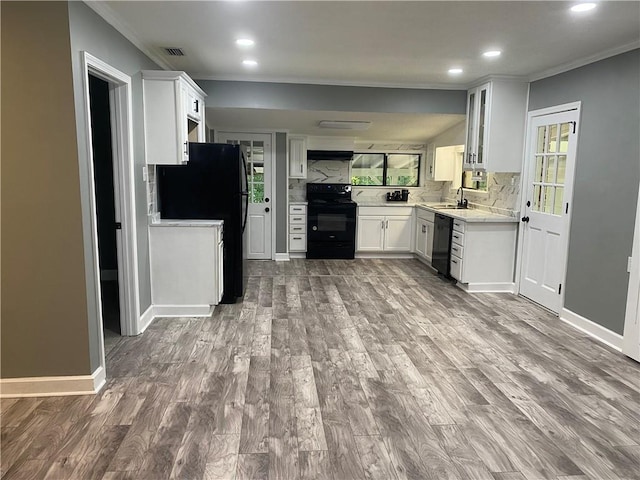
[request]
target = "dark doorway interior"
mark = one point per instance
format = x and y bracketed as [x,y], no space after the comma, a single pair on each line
[105,204]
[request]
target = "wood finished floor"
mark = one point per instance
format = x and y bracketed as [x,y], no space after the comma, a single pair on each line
[365,369]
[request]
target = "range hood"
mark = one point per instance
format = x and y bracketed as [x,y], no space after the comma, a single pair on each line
[334,155]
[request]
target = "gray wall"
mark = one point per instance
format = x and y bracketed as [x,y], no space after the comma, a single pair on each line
[90,33]
[289,96]
[282,189]
[606,182]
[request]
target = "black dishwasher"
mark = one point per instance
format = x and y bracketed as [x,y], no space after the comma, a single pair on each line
[441,255]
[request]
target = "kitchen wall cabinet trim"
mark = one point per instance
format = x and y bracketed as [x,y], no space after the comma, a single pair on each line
[496,117]
[297,157]
[173,115]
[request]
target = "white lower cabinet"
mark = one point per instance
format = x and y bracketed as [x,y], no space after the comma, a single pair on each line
[297,227]
[483,255]
[424,234]
[186,265]
[384,229]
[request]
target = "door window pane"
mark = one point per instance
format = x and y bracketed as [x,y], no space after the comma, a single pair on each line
[564,137]
[537,190]
[562,165]
[367,169]
[551,169]
[541,140]
[557,206]
[402,170]
[553,138]
[539,168]
[548,199]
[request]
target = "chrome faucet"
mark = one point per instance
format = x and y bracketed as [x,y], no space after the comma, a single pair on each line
[463,202]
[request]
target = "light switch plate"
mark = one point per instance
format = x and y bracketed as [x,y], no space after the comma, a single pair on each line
[629,264]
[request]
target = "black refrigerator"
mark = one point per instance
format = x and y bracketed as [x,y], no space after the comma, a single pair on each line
[211,186]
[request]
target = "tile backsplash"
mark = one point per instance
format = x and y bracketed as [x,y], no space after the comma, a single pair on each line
[319,171]
[502,195]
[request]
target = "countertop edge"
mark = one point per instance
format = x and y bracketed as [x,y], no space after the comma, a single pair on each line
[187,223]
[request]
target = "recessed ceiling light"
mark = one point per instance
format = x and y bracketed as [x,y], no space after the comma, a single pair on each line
[492,53]
[249,63]
[455,71]
[245,42]
[583,7]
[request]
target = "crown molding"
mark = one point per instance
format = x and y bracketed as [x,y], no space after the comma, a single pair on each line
[565,67]
[335,83]
[102,9]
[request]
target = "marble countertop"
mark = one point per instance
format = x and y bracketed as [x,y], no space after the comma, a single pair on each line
[382,203]
[470,214]
[293,202]
[186,223]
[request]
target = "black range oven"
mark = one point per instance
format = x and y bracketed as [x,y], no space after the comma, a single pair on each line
[331,221]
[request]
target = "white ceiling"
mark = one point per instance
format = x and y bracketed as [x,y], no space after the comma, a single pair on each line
[392,127]
[373,43]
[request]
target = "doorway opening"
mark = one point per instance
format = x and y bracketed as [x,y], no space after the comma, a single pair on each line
[105,192]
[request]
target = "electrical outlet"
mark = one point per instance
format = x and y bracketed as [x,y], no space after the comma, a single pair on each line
[629,264]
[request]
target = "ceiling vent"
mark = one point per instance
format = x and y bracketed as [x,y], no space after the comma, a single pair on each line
[174,51]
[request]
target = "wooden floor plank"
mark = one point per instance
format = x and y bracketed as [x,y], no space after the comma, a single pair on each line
[343,369]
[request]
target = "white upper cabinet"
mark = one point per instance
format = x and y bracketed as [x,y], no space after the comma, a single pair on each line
[173,107]
[496,115]
[297,157]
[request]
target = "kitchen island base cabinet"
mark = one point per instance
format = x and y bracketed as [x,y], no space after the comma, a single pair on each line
[483,256]
[186,268]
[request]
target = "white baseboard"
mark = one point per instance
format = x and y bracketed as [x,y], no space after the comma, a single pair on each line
[182,311]
[384,255]
[145,319]
[506,287]
[53,386]
[297,255]
[108,275]
[282,257]
[592,329]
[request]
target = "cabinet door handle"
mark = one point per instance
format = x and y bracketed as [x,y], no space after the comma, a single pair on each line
[196,106]
[424,229]
[186,148]
[300,168]
[456,236]
[454,261]
[297,238]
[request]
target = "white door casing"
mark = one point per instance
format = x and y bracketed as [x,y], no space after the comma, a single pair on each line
[550,157]
[124,195]
[631,336]
[258,236]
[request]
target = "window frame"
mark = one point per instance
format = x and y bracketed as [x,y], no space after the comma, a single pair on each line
[385,154]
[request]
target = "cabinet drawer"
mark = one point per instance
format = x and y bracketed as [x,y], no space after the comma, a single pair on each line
[298,219]
[297,242]
[297,228]
[457,237]
[457,250]
[456,268]
[297,209]
[458,225]
[426,215]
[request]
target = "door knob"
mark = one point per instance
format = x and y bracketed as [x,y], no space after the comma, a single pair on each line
[267,209]
[525,219]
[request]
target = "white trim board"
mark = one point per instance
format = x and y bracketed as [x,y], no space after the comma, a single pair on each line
[53,386]
[505,287]
[182,311]
[592,329]
[282,257]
